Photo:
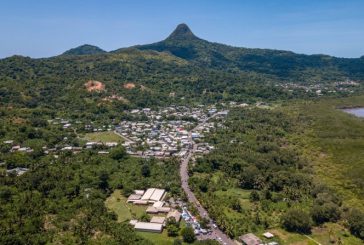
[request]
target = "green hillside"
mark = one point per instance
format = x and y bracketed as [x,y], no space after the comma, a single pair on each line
[85,49]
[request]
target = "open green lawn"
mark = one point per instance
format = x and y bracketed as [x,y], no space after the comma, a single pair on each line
[117,203]
[103,137]
[157,238]
[161,238]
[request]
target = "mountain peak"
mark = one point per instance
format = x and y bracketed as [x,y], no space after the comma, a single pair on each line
[182,32]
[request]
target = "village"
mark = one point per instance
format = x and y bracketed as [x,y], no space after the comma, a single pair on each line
[318,88]
[175,131]
[166,132]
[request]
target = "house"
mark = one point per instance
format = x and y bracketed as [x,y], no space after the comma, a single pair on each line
[18,171]
[158,220]
[148,227]
[250,239]
[158,204]
[134,197]
[111,144]
[154,195]
[175,214]
[153,210]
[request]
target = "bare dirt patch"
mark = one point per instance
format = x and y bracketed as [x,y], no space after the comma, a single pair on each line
[94,86]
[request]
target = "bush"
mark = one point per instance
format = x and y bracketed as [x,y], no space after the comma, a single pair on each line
[118,153]
[297,220]
[188,234]
[356,223]
[172,227]
[254,196]
[326,212]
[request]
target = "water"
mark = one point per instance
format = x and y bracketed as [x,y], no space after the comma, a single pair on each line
[359,112]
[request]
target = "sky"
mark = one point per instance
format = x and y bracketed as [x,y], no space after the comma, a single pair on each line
[44,28]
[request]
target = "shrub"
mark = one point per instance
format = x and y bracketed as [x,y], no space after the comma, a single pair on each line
[297,220]
[188,234]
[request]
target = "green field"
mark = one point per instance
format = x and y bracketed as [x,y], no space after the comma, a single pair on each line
[158,238]
[327,234]
[103,137]
[117,203]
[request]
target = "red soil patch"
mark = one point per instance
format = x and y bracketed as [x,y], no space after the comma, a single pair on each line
[94,86]
[129,85]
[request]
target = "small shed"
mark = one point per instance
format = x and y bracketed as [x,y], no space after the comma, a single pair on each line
[268,235]
[250,239]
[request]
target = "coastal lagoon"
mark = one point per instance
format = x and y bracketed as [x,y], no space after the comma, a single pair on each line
[359,112]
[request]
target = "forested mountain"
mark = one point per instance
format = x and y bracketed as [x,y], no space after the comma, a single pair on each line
[285,65]
[181,69]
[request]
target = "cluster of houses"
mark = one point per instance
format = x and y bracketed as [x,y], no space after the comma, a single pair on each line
[70,124]
[165,132]
[17,148]
[157,207]
[319,88]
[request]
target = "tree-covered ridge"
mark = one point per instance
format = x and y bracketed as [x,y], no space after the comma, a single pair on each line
[59,82]
[85,49]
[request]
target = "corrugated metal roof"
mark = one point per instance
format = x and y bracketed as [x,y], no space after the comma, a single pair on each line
[148,226]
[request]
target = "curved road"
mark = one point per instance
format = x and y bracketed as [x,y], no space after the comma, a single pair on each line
[216,234]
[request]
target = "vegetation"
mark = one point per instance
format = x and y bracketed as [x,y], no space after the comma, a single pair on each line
[103,137]
[188,234]
[297,220]
[261,174]
[296,165]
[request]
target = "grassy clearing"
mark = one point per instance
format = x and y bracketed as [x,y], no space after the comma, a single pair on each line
[103,137]
[329,233]
[243,196]
[117,203]
[157,238]
[162,238]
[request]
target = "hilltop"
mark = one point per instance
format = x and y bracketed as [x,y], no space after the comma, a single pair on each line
[85,49]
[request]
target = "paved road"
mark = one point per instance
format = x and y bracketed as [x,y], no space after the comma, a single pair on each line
[216,234]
